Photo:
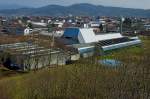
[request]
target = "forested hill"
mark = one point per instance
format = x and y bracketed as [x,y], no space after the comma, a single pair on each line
[77,9]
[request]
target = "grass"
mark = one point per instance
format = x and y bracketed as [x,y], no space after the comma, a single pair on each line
[86,79]
[4,72]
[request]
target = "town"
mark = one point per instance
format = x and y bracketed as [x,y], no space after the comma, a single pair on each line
[81,51]
[34,42]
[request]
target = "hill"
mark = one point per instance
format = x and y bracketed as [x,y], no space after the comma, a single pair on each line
[77,9]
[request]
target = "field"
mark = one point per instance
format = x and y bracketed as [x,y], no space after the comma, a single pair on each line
[86,79]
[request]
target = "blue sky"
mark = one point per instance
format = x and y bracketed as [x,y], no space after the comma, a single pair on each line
[144,4]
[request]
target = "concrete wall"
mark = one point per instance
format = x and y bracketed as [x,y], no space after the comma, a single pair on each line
[36,62]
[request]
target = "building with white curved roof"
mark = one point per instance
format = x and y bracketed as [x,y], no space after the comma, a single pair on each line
[85,39]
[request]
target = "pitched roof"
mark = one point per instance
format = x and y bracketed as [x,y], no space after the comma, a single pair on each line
[88,36]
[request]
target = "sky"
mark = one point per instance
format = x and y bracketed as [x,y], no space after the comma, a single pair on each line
[142,4]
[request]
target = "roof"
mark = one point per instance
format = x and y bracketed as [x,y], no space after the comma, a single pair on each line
[87,35]
[25,48]
[121,45]
[71,32]
[83,45]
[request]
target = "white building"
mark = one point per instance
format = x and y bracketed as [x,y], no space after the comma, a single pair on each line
[27,31]
[87,35]
[94,24]
[39,24]
[84,39]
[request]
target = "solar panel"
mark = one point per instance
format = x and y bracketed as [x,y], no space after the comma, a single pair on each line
[114,41]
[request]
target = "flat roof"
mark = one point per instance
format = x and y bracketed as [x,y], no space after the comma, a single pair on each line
[82,45]
[28,49]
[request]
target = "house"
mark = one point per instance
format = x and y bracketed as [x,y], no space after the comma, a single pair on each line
[94,24]
[27,31]
[59,24]
[147,27]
